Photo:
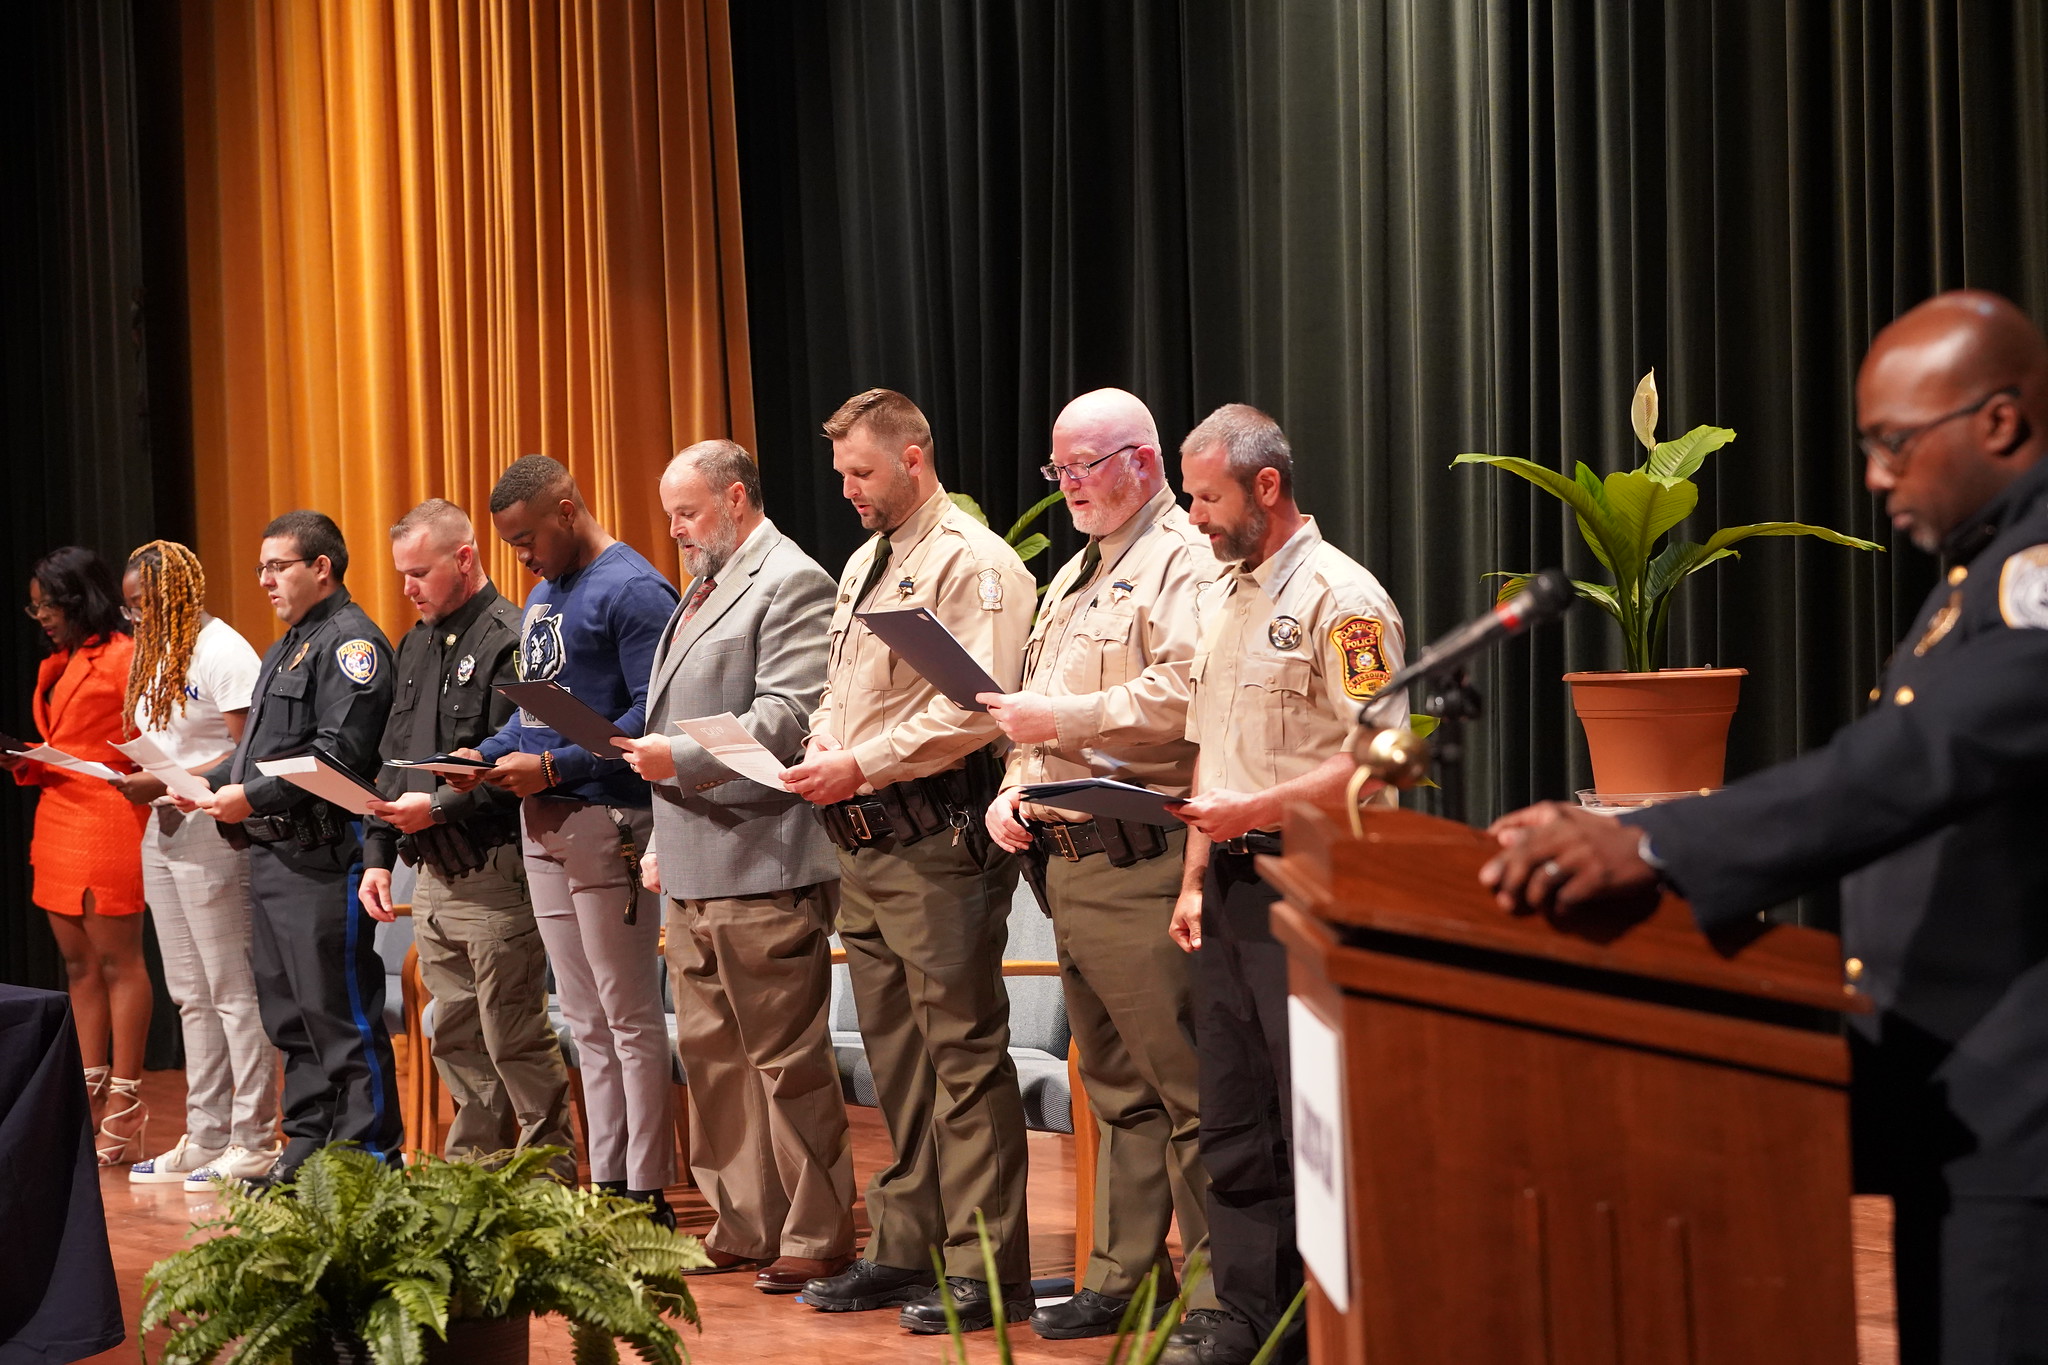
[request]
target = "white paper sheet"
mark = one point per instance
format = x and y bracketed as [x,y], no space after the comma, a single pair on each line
[728,742]
[153,760]
[323,779]
[57,758]
[456,767]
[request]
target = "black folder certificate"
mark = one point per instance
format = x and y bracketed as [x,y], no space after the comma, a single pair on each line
[921,640]
[566,714]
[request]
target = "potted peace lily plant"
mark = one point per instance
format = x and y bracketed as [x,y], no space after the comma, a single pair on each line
[437,1263]
[1651,730]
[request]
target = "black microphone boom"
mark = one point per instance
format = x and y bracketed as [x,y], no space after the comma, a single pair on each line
[1548,596]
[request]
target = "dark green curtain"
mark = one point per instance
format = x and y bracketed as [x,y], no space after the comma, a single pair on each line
[88,99]
[1406,229]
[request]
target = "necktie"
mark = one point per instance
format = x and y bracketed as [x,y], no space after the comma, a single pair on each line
[875,571]
[1091,560]
[702,591]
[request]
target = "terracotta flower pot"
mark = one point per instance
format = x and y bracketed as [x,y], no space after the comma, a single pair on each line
[1657,732]
[471,1341]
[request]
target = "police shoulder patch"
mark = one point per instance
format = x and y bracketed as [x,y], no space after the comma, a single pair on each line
[989,588]
[1357,641]
[2023,589]
[358,661]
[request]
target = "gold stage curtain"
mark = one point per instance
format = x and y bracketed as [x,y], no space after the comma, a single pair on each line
[426,237]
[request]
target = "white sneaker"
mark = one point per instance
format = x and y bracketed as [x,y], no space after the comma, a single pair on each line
[175,1165]
[236,1163]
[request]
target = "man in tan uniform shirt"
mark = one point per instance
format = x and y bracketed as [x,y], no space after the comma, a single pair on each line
[1105,695]
[901,776]
[1296,638]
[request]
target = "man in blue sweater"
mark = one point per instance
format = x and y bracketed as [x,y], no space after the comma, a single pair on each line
[592,626]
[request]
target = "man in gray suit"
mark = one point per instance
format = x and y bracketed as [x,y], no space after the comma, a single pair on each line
[749,881]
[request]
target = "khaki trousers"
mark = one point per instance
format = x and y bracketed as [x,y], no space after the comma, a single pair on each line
[482,961]
[1127,991]
[752,980]
[924,929]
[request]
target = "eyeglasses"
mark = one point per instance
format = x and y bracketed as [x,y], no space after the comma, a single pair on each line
[131,616]
[271,568]
[1888,452]
[1077,472]
[38,610]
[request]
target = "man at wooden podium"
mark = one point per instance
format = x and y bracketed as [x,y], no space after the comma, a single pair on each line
[1932,809]
[1295,635]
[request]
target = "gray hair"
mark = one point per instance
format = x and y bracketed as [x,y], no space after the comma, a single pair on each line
[450,524]
[723,463]
[1251,441]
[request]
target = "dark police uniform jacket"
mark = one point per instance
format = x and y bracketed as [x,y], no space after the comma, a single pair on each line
[326,683]
[1933,810]
[446,698]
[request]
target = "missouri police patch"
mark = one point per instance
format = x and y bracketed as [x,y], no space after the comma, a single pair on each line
[1357,641]
[2023,588]
[358,660]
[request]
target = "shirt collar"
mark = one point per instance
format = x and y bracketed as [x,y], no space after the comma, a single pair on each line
[1144,519]
[320,611]
[1273,574]
[458,622]
[1982,527]
[920,523]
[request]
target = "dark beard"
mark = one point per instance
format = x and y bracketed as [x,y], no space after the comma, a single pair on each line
[1243,542]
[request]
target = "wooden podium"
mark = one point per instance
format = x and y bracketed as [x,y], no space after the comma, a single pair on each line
[1558,1150]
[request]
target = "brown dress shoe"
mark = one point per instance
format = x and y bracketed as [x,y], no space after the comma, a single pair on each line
[723,1262]
[789,1274]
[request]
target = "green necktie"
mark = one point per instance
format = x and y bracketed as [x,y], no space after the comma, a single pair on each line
[875,571]
[1091,560]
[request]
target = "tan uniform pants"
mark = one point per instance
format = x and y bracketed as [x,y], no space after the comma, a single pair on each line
[1126,986]
[481,959]
[924,929]
[752,980]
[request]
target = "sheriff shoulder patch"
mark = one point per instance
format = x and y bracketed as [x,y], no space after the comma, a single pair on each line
[2023,589]
[1357,641]
[990,589]
[358,661]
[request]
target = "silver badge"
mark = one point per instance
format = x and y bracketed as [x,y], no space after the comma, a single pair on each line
[465,670]
[1284,632]
[991,589]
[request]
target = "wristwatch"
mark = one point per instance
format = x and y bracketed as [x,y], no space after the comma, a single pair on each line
[437,812]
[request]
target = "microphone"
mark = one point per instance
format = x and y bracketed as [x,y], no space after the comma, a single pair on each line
[1548,596]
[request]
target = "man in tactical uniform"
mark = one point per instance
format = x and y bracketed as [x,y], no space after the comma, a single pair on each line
[319,982]
[480,952]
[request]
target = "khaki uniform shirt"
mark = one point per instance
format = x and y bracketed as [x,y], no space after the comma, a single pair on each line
[1112,655]
[1290,651]
[897,725]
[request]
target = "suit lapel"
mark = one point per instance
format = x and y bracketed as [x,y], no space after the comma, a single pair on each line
[734,581]
[75,669]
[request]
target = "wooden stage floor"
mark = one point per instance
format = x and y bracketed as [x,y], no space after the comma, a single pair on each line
[147,1222]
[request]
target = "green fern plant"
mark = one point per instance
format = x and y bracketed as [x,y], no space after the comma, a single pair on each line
[386,1254]
[1623,516]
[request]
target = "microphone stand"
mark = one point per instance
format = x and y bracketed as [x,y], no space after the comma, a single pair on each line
[1451,698]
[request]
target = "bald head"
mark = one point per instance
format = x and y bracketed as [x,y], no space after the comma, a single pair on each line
[1954,396]
[1112,426]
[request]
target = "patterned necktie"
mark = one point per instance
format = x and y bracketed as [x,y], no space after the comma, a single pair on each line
[875,571]
[697,596]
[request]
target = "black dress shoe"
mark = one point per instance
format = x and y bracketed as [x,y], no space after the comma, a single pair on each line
[658,1211]
[1211,1336]
[1087,1314]
[971,1301]
[864,1286]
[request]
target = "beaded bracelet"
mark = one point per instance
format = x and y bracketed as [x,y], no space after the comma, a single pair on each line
[547,767]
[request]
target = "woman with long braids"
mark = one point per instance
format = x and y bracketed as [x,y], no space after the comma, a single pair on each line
[189,693]
[86,851]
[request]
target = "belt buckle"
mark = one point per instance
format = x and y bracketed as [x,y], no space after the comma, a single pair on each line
[858,818]
[1065,840]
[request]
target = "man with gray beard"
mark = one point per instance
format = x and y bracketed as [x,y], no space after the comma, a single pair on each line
[749,881]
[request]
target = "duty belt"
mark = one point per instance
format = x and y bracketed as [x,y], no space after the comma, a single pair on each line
[1258,841]
[917,808]
[1125,843]
[313,826]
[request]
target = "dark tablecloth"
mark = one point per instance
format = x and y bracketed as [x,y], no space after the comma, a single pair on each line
[58,1298]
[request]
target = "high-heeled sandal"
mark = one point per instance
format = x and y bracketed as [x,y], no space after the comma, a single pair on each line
[96,1084]
[115,1149]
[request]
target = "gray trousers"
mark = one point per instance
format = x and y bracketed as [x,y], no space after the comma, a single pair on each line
[481,959]
[198,889]
[608,974]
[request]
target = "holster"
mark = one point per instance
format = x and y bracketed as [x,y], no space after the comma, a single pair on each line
[919,807]
[459,849]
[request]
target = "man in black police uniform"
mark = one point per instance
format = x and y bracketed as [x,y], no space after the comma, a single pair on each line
[319,982]
[480,952]
[1933,810]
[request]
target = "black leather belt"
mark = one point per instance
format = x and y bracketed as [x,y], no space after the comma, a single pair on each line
[1258,841]
[268,829]
[1074,840]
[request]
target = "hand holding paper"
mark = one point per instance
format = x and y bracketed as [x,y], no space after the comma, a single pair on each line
[57,758]
[155,761]
[923,642]
[317,773]
[728,741]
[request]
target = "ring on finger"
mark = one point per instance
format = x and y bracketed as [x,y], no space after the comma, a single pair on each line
[1554,870]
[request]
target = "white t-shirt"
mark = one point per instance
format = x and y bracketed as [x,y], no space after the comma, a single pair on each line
[221,677]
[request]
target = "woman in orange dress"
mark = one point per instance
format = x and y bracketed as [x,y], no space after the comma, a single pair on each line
[87,848]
